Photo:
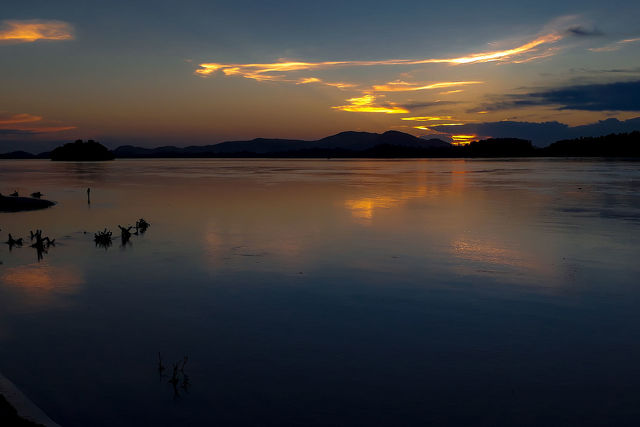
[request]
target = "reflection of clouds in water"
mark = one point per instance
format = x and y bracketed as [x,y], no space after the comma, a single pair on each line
[42,283]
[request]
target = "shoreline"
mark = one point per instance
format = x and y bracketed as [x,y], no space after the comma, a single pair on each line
[28,413]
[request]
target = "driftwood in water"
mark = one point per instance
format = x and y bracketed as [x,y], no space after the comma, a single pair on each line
[141,226]
[103,238]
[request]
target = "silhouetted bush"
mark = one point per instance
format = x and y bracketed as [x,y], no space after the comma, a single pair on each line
[82,151]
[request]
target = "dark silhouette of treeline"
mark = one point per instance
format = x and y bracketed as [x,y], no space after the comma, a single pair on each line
[82,151]
[390,144]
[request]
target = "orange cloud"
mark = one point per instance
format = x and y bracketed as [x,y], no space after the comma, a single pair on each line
[308,80]
[18,118]
[32,30]
[615,46]
[427,118]
[29,123]
[366,104]
[400,86]
[276,70]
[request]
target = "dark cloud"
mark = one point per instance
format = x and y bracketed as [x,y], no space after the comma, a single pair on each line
[584,32]
[426,104]
[620,96]
[16,132]
[542,133]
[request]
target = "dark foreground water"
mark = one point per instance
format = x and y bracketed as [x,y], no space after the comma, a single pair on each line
[328,293]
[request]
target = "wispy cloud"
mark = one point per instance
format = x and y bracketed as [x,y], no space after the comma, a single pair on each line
[13,119]
[24,123]
[367,104]
[310,80]
[428,118]
[277,71]
[615,46]
[401,86]
[31,30]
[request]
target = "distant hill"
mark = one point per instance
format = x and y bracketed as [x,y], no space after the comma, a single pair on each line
[344,144]
[391,144]
[82,151]
[18,155]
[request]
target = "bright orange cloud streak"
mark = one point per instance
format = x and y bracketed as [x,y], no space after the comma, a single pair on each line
[401,86]
[33,30]
[366,104]
[266,71]
[309,80]
[427,118]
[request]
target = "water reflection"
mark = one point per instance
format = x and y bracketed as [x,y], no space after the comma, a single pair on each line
[320,276]
[43,284]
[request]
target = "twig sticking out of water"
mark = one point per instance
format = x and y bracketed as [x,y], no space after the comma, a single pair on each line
[179,379]
[125,234]
[42,243]
[13,242]
[160,365]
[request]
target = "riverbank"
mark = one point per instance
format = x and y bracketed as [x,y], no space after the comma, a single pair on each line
[17,204]
[17,410]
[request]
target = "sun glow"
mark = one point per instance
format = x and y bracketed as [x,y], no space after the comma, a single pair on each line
[463,139]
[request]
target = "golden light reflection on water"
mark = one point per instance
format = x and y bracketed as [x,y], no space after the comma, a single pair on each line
[42,282]
[363,209]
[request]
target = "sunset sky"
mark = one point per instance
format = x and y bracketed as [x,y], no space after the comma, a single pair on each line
[198,72]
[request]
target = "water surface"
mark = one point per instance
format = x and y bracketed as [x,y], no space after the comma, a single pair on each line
[328,292]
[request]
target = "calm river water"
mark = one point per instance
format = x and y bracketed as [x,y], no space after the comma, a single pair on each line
[327,292]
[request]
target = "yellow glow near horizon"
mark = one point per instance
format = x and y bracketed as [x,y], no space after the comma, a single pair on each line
[463,139]
[34,30]
[365,104]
